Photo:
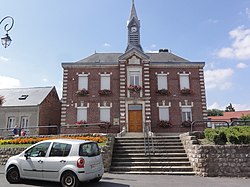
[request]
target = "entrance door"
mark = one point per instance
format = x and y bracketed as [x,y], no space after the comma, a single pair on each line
[135,118]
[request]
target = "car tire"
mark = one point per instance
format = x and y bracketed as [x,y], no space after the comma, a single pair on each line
[13,175]
[69,179]
[96,180]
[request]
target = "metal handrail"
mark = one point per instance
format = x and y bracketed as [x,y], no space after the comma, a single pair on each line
[207,121]
[246,122]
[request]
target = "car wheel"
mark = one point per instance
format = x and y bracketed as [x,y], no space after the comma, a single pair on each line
[13,175]
[69,179]
[96,180]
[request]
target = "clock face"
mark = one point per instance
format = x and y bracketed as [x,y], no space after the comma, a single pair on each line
[133,29]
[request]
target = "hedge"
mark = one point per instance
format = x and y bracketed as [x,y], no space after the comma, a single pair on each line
[231,135]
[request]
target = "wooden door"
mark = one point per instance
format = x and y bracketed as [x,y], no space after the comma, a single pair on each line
[135,121]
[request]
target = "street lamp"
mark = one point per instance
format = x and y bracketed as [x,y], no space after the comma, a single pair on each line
[6,40]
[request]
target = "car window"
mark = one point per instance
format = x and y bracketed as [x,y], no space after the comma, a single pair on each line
[39,150]
[89,149]
[60,149]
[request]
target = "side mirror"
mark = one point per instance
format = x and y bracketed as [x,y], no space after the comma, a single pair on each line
[27,156]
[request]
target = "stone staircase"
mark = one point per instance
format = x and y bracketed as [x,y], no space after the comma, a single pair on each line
[169,157]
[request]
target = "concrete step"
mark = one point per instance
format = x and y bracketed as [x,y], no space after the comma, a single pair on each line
[118,151]
[141,144]
[142,147]
[152,168]
[152,163]
[191,173]
[153,159]
[155,155]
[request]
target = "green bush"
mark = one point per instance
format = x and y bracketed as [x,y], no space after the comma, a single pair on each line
[232,135]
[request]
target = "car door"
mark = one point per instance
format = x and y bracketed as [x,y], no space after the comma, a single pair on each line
[56,160]
[32,161]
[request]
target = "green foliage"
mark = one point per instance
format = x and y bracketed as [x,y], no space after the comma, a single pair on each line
[245,117]
[214,112]
[232,135]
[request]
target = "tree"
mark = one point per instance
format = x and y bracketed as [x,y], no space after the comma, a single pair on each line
[230,108]
[214,112]
[245,117]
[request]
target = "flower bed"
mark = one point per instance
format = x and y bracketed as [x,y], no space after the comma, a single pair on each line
[32,140]
[105,92]
[163,92]
[134,88]
[164,124]
[82,92]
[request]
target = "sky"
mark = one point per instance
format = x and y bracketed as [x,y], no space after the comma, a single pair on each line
[47,33]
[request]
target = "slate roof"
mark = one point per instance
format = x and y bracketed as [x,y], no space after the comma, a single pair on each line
[35,96]
[112,58]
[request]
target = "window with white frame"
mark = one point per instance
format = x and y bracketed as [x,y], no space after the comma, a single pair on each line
[164,113]
[105,114]
[186,113]
[11,122]
[81,114]
[162,81]
[134,77]
[105,81]
[83,81]
[24,121]
[184,81]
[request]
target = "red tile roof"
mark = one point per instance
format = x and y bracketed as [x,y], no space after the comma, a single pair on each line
[227,116]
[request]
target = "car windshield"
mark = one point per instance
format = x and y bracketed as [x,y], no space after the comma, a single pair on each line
[89,149]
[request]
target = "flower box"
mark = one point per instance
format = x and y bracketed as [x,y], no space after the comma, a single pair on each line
[165,124]
[185,91]
[105,92]
[82,92]
[163,92]
[134,88]
[186,123]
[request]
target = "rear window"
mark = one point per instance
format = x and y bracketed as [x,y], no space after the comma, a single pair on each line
[60,149]
[89,149]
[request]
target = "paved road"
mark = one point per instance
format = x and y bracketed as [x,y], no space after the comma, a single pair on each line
[112,180]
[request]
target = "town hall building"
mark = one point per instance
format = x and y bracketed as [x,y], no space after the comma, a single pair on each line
[133,89]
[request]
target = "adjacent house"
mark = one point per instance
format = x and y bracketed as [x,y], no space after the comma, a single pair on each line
[134,89]
[27,108]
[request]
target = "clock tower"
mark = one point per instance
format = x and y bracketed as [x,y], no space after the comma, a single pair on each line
[134,30]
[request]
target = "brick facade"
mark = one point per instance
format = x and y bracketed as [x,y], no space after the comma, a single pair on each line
[122,101]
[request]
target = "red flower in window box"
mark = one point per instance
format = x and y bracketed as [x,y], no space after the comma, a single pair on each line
[82,92]
[105,92]
[134,88]
[163,92]
[186,91]
[186,123]
[165,123]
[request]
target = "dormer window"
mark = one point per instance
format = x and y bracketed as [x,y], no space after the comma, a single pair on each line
[23,97]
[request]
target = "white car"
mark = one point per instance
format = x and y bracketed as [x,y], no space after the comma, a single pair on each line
[61,160]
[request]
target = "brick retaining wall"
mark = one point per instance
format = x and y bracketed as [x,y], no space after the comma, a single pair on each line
[217,160]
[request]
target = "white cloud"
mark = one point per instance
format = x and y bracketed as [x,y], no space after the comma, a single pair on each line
[215,105]
[248,13]
[9,82]
[106,45]
[153,46]
[149,51]
[237,107]
[218,79]
[45,80]
[3,59]
[240,48]
[241,66]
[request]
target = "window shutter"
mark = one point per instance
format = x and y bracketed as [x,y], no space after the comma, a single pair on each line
[82,82]
[162,82]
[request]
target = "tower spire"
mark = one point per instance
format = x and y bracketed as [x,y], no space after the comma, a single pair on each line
[134,30]
[133,13]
